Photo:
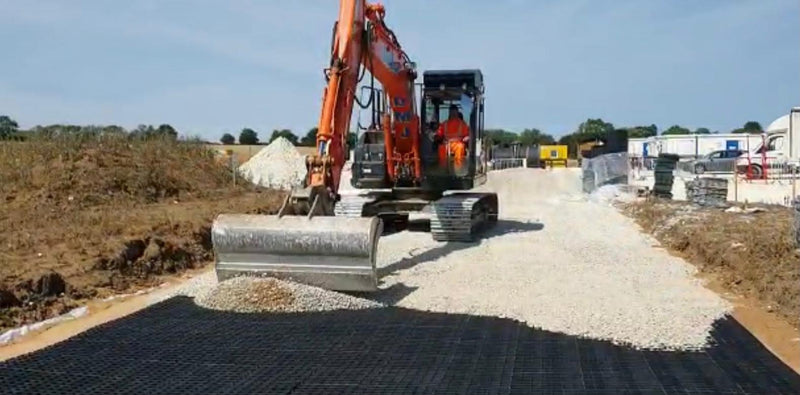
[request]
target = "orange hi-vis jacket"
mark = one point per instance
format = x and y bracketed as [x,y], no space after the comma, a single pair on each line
[453,129]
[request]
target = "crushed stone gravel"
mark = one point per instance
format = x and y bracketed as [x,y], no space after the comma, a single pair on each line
[250,294]
[278,165]
[558,261]
[246,295]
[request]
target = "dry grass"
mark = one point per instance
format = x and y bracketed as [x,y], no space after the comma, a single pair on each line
[753,254]
[79,205]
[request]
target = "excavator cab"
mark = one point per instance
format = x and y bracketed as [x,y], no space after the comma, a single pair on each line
[441,90]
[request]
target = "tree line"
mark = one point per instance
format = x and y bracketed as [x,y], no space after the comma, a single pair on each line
[9,130]
[590,130]
[249,136]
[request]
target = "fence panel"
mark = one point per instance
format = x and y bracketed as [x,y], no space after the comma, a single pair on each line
[605,169]
[506,163]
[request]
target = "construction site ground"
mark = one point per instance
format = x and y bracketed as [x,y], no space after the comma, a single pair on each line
[560,297]
[85,220]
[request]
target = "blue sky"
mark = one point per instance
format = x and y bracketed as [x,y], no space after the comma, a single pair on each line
[209,67]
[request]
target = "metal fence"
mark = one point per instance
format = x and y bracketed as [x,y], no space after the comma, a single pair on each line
[605,169]
[507,163]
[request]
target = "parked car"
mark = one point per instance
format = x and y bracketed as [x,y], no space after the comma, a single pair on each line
[717,161]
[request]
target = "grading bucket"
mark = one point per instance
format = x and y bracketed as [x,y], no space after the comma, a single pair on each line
[336,253]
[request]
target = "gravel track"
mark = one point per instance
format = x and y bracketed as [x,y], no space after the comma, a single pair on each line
[558,260]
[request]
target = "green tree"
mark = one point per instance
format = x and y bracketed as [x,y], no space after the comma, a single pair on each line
[535,137]
[227,139]
[352,139]
[310,139]
[142,132]
[8,127]
[114,130]
[702,131]
[248,137]
[753,127]
[675,129]
[500,136]
[593,129]
[642,131]
[167,131]
[285,133]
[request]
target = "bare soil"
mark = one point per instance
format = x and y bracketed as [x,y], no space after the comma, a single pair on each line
[751,255]
[85,218]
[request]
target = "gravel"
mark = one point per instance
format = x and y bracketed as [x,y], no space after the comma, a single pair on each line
[586,270]
[255,294]
[278,165]
[248,295]
[252,294]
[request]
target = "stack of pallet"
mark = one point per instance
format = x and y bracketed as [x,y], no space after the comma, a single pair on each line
[664,177]
[709,192]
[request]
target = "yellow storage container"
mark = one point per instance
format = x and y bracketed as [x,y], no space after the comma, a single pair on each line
[553,155]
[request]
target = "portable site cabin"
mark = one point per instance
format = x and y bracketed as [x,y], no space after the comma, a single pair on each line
[690,145]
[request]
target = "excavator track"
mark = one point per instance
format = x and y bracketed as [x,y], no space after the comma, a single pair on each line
[351,206]
[463,216]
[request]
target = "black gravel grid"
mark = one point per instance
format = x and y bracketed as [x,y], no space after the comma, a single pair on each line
[176,347]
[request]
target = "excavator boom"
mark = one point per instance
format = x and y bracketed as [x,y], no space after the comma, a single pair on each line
[305,241]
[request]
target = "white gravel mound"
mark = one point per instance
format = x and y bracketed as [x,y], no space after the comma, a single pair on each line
[248,294]
[278,165]
[558,262]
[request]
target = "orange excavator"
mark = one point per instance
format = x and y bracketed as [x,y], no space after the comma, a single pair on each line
[329,239]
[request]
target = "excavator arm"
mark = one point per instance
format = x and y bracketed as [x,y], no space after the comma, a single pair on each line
[305,241]
[362,40]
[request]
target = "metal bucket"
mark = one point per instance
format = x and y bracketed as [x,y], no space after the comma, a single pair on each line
[336,253]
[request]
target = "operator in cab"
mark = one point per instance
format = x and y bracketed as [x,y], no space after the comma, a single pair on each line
[452,133]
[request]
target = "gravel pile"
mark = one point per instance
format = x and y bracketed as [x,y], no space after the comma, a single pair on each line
[278,165]
[245,295]
[248,294]
[252,294]
[586,271]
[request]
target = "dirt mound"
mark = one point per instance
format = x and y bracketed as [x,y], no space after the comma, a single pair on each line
[69,172]
[107,214]
[753,253]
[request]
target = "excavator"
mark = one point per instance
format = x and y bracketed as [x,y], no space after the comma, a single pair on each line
[329,239]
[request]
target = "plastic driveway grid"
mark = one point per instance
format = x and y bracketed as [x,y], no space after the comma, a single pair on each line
[176,347]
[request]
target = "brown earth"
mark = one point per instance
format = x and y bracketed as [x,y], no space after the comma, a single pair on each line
[87,217]
[749,254]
